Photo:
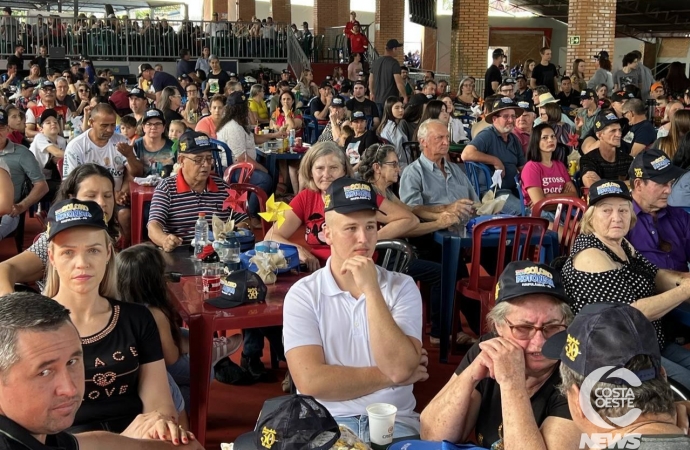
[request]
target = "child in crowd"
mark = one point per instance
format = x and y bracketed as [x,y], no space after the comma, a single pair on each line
[345,134]
[146,262]
[176,129]
[128,128]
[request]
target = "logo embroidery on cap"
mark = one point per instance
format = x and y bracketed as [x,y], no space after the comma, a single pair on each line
[253,293]
[611,116]
[498,288]
[201,141]
[638,172]
[609,188]
[661,163]
[534,276]
[326,200]
[268,437]
[72,212]
[357,191]
[572,348]
[183,146]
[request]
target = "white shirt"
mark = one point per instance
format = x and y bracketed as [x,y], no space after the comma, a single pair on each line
[39,147]
[317,312]
[239,141]
[82,150]
[31,118]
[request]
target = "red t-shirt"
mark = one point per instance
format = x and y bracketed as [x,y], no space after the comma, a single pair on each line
[358,43]
[308,206]
[280,121]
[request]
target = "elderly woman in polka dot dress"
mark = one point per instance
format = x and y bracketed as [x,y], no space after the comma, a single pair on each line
[603,267]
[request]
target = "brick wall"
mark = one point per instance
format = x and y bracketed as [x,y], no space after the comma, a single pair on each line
[429,48]
[282,12]
[326,15]
[241,9]
[595,22]
[390,17]
[469,41]
[523,44]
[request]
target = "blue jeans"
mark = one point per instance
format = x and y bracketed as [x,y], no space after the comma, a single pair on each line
[360,426]
[7,225]
[513,205]
[259,179]
[181,403]
[676,360]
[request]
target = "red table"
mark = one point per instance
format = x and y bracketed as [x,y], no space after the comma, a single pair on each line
[203,319]
[139,195]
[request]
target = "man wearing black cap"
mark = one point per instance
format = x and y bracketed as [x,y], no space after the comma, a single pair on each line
[522,92]
[138,103]
[159,79]
[352,329]
[607,162]
[525,123]
[22,165]
[48,101]
[48,147]
[492,76]
[319,106]
[588,114]
[505,390]
[360,102]
[633,407]
[662,232]
[385,79]
[337,119]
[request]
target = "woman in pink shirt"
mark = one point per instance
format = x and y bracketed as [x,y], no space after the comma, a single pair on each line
[209,124]
[543,176]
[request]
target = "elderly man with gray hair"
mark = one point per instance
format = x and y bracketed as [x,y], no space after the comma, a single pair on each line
[42,381]
[612,376]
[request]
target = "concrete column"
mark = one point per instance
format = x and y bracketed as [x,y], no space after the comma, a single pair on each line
[213,6]
[469,42]
[326,15]
[241,9]
[390,22]
[594,21]
[282,12]
[429,48]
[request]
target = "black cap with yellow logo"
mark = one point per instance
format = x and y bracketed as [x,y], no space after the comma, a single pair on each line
[196,142]
[71,213]
[606,334]
[347,195]
[522,278]
[295,423]
[239,288]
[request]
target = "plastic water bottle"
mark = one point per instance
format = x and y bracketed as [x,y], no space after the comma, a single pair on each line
[291,139]
[200,234]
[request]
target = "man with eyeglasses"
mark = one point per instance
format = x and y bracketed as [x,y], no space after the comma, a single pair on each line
[662,232]
[48,101]
[497,147]
[178,200]
[505,390]
[507,89]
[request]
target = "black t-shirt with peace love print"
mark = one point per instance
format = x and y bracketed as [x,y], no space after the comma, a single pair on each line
[112,361]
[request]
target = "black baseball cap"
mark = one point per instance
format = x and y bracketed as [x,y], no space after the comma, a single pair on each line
[602,55]
[196,142]
[606,118]
[346,195]
[358,115]
[622,95]
[232,75]
[338,102]
[236,98]
[417,99]
[359,83]
[292,422]
[606,334]
[144,67]
[653,164]
[608,188]
[361,73]
[50,112]
[393,43]
[508,81]
[286,71]
[184,76]
[71,213]
[136,92]
[47,85]
[520,77]
[521,278]
[153,113]
[26,84]
[527,105]
[588,94]
[325,84]
[239,288]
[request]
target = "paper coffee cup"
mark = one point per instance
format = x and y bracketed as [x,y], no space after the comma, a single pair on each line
[381,422]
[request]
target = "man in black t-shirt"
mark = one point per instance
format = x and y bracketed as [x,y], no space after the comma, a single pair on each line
[360,102]
[607,161]
[385,79]
[642,133]
[545,73]
[568,96]
[505,376]
[43,382]
[492,77]
[160,80]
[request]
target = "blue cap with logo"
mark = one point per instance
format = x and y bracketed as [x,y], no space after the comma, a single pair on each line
[521,278]
[602,189]
[346,195]
[71,212]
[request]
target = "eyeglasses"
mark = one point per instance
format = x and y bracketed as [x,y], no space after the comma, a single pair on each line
[393,164]
[200,161]
[83,90]
[153,124]
[513,117]
[192,91]
[524,332]
[506,91]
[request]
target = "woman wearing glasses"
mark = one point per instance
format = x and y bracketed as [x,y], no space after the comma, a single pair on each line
[504,391]
[195,107]
[154,150]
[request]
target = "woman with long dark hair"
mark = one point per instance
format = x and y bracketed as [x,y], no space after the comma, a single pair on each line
[285,119]
[577,76]
[602,75]
[413,114]
[101,89]
[170,103]
[390,130]
[435,109]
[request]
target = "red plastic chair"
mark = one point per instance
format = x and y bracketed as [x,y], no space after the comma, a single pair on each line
[569,228]
[511,230]
[60,164]
[260,194]
[245,169]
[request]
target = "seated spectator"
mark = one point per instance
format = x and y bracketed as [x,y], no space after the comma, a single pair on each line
[329,336]
[522,92]
[323,163]
[319,107]
[29,418]
[102,146]
[507,89]
[337,119]
[466,98]
[389,129]
[641,134]
[499,148]
[543,176]
[380,167]
[16,121]
[169,103]
[669,113]
[138,103]
[195,107]
[360,141]
[101,89]
[429,89]
[435,110]
[504,390]
[258,111]
[48,147]
[550,113]
[63,91]
[120,97]
[542,99]
[281,86]
[354,67]
[47,101]
[662,231]
[603,266]
[608,162]
[285,119]
[10,80]
[159,80]
[128,128]
[22,165]
[413,115]
[652,414]
[680,194]
[481,123]
[584,121]
[87,182]
[26,95]
[568,97]
[6,190]
[306,88]
[456,127]
[209,124]
[524,124]
[360,102]
[153,149]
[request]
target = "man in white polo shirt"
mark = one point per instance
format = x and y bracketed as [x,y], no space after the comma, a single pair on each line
[353,330]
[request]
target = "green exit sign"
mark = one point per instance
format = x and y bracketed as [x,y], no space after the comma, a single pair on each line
[573,40]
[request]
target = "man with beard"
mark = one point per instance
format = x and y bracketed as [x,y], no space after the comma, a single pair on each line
[360,102]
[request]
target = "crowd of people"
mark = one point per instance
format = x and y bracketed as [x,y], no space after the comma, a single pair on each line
[101,352]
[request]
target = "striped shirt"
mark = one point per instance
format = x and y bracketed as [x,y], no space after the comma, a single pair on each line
[176,207]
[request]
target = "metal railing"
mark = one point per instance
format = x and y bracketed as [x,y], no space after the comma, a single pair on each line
[118,39]
[297,58]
